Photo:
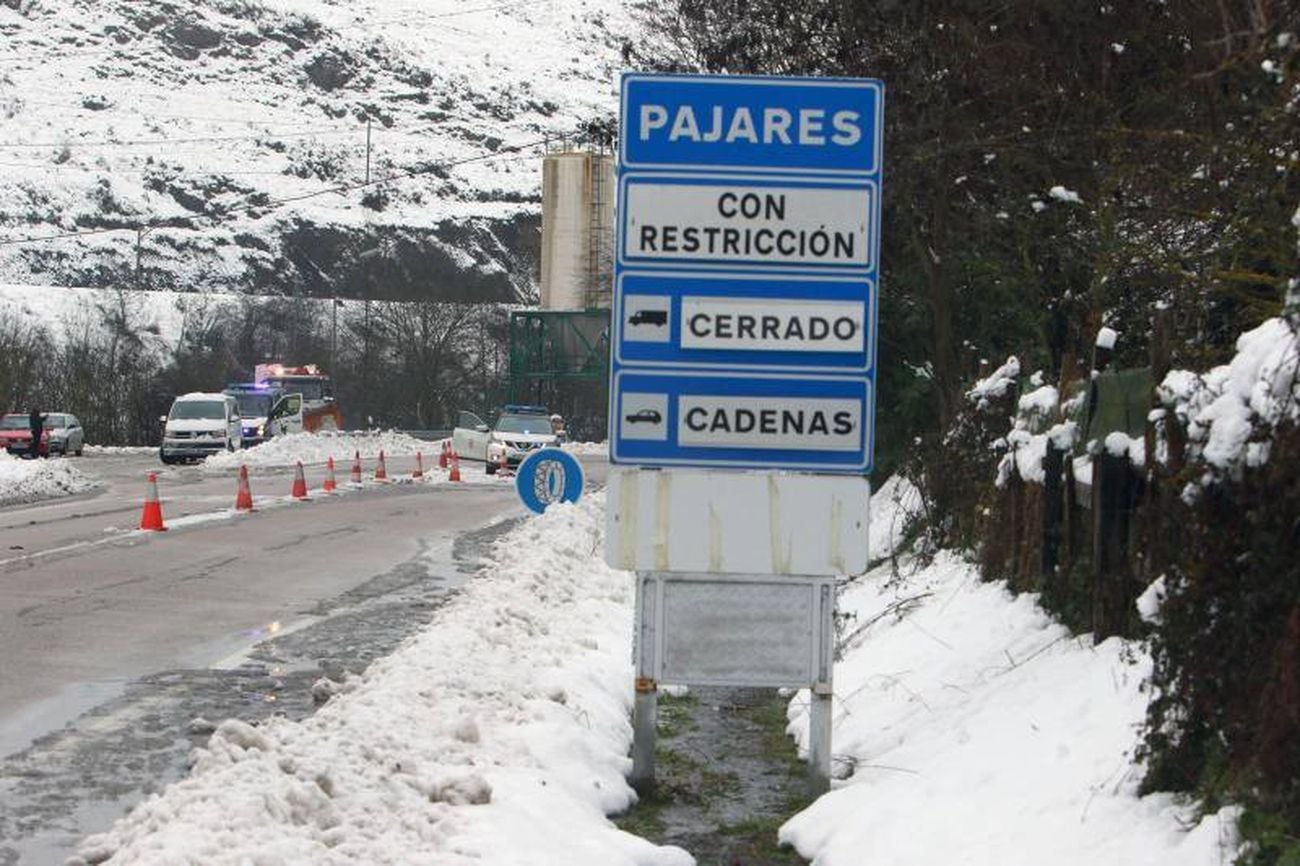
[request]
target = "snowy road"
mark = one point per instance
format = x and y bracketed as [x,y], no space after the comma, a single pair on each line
[90,609]
[86,604]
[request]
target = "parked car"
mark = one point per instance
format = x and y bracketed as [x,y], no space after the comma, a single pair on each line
[65,434]
[519,430]
[198,425]
[16,435]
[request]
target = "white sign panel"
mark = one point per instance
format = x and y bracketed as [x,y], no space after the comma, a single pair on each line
[745,324]
[748,223]
[720,522]
[756,422]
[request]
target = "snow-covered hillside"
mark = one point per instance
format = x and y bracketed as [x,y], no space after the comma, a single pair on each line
[229,123]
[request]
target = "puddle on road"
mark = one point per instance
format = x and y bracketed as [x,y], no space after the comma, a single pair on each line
[78,780]
[727,778]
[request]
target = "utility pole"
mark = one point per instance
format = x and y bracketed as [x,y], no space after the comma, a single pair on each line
[140,232]
[367,150]
[335,303]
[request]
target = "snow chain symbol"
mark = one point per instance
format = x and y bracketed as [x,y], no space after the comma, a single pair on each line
[548,481]
[549,475]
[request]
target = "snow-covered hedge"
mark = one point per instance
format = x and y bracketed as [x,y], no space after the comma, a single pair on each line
[1230,412]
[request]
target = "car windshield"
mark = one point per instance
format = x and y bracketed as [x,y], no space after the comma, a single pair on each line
[56,422]
[309,387]
[524,424]
[191,409]
[14,422]
[253,404]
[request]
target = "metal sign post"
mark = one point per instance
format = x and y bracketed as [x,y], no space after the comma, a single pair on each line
[744,338]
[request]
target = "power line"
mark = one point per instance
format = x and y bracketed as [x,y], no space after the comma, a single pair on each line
[58,167]
[142,112]
[431,16]
[195,140]
[272,204]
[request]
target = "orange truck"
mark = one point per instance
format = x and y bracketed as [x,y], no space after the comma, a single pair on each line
[318,408]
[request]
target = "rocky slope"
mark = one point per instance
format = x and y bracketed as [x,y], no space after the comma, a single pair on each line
[235,131]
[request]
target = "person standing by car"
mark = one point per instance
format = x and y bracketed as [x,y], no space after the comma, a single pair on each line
[37,423]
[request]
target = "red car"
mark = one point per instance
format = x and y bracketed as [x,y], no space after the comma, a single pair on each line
[16,436]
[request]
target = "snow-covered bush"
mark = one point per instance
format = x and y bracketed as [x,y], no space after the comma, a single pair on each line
[1232,412]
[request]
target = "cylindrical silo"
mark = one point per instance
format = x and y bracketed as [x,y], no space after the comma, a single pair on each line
[577,230]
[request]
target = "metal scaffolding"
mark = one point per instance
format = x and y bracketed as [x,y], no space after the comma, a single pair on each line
[560,359]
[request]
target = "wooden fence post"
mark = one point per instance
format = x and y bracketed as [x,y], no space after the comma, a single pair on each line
[1053,473]
[1113,487]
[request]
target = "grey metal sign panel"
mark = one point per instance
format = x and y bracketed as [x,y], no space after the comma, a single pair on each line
[722,630]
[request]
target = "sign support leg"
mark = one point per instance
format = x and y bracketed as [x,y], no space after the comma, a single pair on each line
[645,706]
[644,712]
[819,741]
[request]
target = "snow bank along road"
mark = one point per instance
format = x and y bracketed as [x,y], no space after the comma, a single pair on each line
[88,604]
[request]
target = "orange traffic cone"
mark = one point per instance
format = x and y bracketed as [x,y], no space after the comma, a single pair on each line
[299,490]
[442,455]
[356,468]
[151,518]
[455,467]
[330,485]
[381,470]
[419,465]
[244,495]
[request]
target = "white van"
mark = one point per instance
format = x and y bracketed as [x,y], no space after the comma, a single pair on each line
[200,424]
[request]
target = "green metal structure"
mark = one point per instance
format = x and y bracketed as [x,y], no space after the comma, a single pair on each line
[560,359]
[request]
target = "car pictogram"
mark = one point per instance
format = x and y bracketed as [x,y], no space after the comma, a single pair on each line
[650,415]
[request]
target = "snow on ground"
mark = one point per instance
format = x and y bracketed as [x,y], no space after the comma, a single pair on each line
[497,736]
[979,731]
[587,449]
[893,507]
[31,480]
[319,447]
[118,450]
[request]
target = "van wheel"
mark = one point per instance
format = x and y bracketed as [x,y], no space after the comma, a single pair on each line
[490,468]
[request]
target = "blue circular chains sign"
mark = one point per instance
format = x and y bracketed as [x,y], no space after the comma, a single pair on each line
[549,475]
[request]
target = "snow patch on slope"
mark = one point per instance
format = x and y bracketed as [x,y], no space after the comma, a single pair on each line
[893,507]
[979,731]
[199,115]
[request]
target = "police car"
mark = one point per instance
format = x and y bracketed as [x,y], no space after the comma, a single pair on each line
[519,430]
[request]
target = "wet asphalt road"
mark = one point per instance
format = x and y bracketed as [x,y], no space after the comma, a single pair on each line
[114,642]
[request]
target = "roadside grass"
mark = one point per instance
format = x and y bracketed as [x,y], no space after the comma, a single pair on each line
[700,803]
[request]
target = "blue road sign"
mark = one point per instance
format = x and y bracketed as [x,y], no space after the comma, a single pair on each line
[694,320]
[746,272]
[742,420]
[720,122]
[548,475]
